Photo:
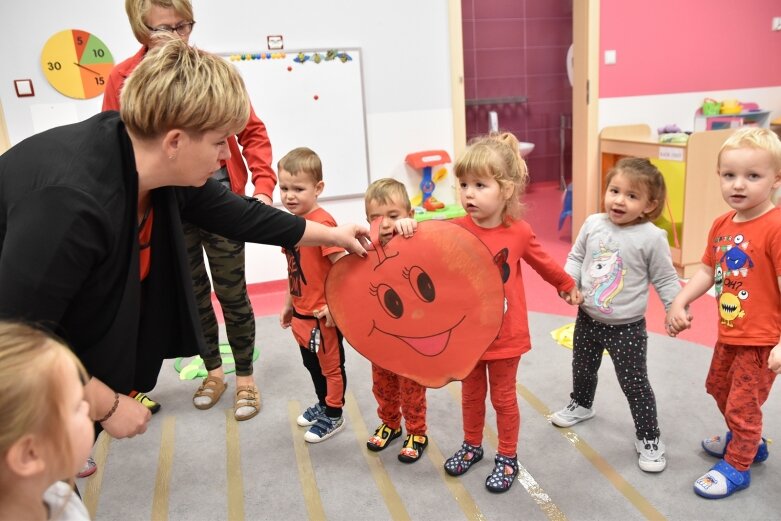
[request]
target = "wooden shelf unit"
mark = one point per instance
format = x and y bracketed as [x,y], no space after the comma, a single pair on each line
[701,200]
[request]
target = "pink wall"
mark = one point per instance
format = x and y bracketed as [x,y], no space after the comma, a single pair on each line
[671,46]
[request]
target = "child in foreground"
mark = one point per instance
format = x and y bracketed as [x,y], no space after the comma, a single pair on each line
[743,259]
[305,309]
[47,432]
[616,255]
[396,396]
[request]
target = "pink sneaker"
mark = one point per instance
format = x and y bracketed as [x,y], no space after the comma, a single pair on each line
[88,469]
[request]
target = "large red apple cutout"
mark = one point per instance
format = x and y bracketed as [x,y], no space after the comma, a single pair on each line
[425,307]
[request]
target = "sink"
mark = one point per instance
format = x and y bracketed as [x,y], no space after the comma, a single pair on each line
[525,148]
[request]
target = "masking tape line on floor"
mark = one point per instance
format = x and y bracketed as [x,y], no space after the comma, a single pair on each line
[384,484]
[309,491]
[233,465]
[628,491]
[527,481]
[92,494]
[165,461]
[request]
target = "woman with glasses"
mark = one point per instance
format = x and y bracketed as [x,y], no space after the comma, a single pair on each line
[226,257]
[91,241]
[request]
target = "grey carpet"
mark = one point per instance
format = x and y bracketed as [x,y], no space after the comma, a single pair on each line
[560,482]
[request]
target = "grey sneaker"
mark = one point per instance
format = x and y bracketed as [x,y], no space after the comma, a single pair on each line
[651,455]
[324,428]
[310,416]
[571,414]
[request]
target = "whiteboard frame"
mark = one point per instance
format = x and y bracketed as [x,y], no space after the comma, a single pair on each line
[323,50]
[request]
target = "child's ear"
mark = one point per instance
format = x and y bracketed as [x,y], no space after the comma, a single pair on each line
[651,206]
[25,457]
[319,187]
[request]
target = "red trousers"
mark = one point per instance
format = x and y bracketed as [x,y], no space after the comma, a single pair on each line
[329,378]
[501,375]
[397,396]
[740,382]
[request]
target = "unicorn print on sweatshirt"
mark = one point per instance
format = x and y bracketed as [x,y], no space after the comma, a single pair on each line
[607,277]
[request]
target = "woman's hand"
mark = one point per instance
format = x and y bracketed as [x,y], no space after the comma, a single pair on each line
[130,418]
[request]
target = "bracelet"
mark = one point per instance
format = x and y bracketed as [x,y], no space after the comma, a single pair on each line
[113,409]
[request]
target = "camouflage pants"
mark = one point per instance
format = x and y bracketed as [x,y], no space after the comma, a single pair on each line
[226,263]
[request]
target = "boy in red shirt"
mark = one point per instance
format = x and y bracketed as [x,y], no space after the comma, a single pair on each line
[305,309]
[743,259]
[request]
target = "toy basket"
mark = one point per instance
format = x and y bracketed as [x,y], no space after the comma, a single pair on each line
[710,107]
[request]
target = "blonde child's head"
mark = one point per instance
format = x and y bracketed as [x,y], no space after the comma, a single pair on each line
[644,177]
[137,11]
[758,139]
[302,160]
[180,87]
[387,199]
[497,156]
[388,191]
[41,403]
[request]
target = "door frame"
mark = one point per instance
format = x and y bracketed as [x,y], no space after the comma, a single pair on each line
[585,112]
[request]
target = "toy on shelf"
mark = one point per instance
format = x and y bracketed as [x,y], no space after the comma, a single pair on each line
[426,206]
[425,161]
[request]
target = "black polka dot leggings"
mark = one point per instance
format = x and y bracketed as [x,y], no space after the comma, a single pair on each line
[627,345]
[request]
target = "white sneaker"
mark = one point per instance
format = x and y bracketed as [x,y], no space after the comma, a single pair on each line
[571,414]
[651,455]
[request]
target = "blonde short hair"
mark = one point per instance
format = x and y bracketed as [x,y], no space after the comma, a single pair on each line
[138,9]
[179,86]
[304,160]
[388,191]
[757,138]
[497,155]
[31,367]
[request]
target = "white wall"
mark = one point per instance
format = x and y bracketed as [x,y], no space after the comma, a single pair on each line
[405,51]
[663,109]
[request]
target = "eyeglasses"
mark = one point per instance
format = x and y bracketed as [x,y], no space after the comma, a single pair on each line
[183,29]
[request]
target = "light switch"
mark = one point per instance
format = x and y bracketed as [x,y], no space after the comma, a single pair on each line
[610,57]
[777,23]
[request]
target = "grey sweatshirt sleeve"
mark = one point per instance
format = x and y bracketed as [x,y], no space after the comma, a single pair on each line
[661,272]
[576,255]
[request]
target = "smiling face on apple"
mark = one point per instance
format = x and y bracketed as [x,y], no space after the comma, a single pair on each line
[425,308]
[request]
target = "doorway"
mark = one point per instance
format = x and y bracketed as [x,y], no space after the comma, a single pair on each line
[583,161]
[515,77]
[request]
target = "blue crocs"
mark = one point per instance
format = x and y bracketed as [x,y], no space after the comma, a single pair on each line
[717,447]
[722,480]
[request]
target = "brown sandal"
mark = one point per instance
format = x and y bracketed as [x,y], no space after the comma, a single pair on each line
[211,388]
[247,397]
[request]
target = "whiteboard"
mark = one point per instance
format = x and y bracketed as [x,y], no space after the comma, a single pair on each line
[316,105]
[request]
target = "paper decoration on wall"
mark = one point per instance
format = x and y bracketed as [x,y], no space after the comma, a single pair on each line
[425,308]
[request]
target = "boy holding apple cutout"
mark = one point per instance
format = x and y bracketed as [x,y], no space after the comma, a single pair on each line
[396,396]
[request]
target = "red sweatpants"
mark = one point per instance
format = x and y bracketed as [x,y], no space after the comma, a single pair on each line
[501,375]
[740,382]
[330,356]
[397,396]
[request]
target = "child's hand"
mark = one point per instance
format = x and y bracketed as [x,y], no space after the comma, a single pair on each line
[572,297]
[324,313]
[677,320]
[286,317]
[406,227]
[774,360]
